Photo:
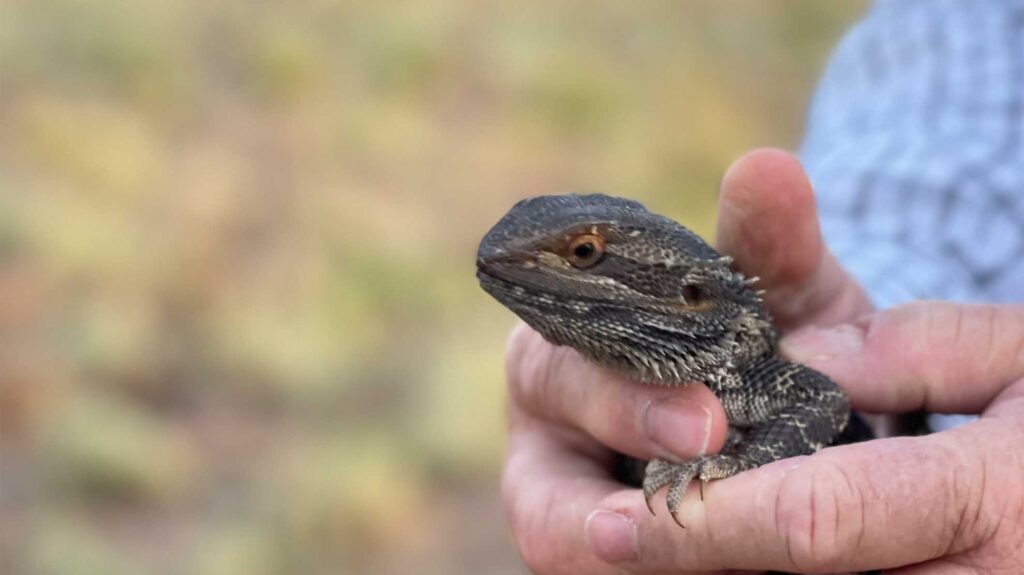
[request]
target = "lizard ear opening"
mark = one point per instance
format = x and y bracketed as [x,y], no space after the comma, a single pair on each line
[692,294]
[695,298]
[585,250]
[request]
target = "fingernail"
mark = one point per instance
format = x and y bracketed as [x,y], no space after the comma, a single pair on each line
[679,426]
[611,536]
[813,345]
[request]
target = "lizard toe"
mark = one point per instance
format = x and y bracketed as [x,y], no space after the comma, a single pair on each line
[682,475]
[658,474]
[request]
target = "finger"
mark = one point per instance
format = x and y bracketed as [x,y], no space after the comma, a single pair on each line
[767,221]
[880,504]
[552,479]
[645,421]
[939,356]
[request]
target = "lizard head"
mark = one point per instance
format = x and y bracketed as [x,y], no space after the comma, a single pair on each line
[625,286]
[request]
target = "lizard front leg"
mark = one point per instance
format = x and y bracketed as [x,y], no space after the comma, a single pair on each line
[783,410]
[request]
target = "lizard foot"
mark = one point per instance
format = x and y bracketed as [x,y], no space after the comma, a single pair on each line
[677,476]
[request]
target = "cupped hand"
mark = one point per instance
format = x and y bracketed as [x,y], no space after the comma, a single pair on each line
[950,502]
[567,415]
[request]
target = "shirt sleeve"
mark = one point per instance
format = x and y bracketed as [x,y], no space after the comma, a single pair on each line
[915,146]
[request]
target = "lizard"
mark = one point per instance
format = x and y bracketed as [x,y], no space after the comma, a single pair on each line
[643,295]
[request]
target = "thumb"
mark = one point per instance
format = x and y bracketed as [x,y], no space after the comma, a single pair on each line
[768,222]
[880,504]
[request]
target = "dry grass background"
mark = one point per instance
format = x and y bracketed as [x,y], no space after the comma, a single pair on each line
[241,330]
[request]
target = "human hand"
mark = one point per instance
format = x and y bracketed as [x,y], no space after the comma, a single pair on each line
[950,502]
[565,413]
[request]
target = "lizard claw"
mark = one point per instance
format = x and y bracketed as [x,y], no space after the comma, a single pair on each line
[675,517]
[674,499]
[658,474]
[678,476]
[650,506]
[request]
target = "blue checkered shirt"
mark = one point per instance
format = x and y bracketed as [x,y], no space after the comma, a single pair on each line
[915,146]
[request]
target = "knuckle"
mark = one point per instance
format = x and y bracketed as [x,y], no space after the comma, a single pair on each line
[516,351]
[533,556]
[528,506]
[531,551]
[526,365]
[981,500]
[518,339]
[528,529]
[539,375]
[988,508]
[820,515]
[510,492]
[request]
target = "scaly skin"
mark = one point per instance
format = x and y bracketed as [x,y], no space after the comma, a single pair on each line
[641,294]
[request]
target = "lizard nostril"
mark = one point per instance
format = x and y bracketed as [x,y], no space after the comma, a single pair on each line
[488,254]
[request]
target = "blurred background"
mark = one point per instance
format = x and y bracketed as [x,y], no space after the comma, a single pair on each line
[241,329]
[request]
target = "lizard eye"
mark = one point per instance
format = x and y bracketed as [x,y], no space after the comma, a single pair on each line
[586,250]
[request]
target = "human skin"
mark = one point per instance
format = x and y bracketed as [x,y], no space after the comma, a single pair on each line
[950,502]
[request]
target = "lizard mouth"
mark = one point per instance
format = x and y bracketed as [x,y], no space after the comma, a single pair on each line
[498,273]
[506,266]
[516,277]
[520,278]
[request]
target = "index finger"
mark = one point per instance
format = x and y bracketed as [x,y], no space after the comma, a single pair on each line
[558,385]
[938,356]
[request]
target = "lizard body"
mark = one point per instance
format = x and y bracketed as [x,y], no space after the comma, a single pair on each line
[641,294]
